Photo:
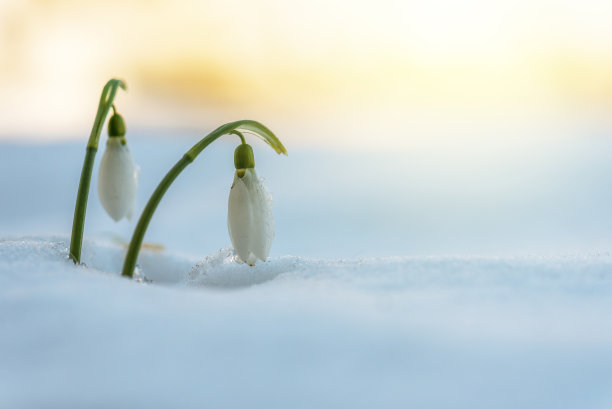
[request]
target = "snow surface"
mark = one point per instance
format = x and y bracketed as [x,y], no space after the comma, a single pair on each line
[427,332]
[333,319]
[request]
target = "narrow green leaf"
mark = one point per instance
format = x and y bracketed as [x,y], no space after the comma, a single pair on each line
[260,130]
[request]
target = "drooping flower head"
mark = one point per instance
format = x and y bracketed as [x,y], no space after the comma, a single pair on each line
[249,220]
[118,175]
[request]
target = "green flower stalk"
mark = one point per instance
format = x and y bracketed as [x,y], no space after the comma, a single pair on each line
[106,101]
[245,126]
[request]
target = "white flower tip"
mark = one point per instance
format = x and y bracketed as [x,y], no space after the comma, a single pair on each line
[250,222]
[117,180]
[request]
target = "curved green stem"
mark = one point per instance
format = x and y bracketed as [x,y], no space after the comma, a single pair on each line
[240,135]
[137,237]
[80,208]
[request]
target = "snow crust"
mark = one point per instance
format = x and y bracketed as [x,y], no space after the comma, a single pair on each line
[294,332]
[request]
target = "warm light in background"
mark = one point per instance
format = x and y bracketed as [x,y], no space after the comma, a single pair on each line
[198,63]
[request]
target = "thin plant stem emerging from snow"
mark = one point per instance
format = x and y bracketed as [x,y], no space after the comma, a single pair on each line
[245,126]
[106,101]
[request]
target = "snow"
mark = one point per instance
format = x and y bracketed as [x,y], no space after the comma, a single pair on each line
[462,332]
[509,309]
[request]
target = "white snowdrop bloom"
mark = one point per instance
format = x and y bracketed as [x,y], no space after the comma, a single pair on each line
[249,220]
[118,179]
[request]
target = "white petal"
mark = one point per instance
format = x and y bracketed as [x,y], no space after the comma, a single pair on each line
[263,221]
[239,218]
[251,260]
[130,212]
[117,179]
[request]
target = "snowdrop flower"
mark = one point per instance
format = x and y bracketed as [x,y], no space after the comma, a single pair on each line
[118,175]
[249,218]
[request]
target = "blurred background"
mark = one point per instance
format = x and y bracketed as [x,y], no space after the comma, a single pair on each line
[413,127]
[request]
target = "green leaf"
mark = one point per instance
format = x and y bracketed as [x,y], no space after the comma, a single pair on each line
[260,130]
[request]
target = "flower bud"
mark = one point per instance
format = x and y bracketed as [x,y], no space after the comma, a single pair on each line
[118,180]
[249,219]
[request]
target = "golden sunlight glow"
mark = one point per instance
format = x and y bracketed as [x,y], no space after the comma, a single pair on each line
[289,59]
